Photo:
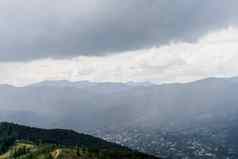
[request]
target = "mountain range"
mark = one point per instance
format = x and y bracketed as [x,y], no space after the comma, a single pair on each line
[115,110]
[87,106]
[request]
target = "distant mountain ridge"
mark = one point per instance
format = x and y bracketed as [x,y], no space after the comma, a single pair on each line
[69,104]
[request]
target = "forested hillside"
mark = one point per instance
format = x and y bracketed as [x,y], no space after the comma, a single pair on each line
[24,142]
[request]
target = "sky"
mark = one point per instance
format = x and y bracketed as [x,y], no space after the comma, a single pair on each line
[157,41]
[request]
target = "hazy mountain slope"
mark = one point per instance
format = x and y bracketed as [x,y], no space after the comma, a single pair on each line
[86,106]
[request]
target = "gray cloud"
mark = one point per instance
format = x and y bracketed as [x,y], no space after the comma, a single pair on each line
[41,28]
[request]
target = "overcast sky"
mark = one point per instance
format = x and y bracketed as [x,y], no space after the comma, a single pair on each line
[118,41]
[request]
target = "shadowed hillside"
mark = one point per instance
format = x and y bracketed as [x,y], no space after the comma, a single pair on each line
[17,141]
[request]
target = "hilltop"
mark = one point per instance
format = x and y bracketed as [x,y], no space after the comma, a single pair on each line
[23,142]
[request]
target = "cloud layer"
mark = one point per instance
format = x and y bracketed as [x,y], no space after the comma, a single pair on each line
[213,55]
[57,29]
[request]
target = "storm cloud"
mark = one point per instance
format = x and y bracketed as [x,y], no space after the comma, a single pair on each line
[39,29]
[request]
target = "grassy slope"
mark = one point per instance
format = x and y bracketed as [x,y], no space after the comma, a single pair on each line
[54,152]
[41,152]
